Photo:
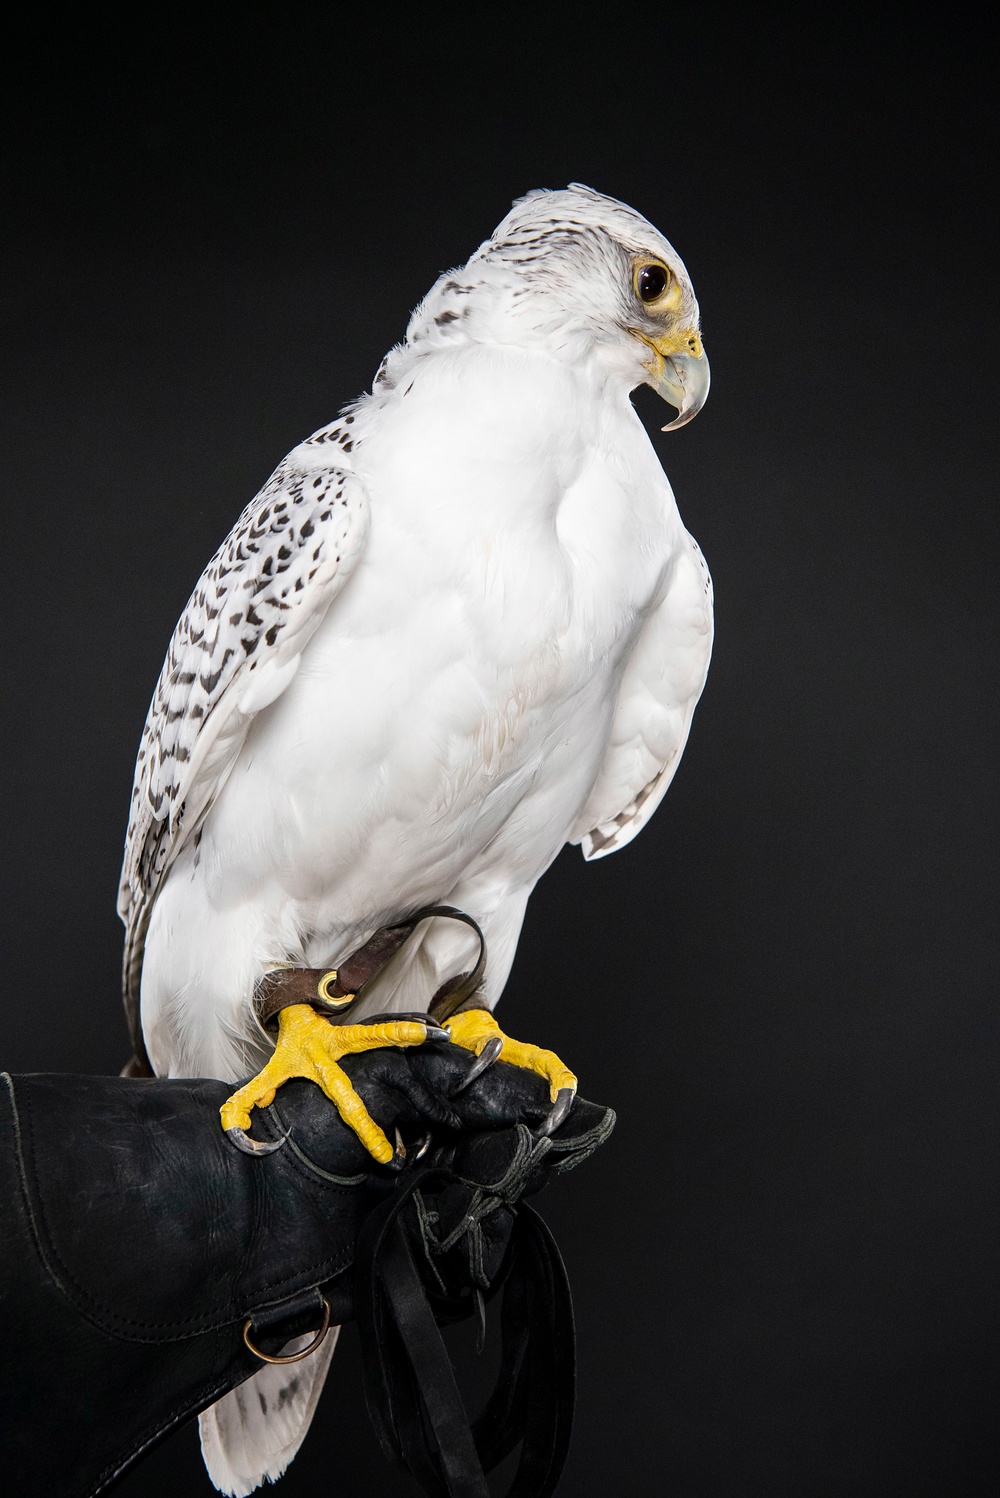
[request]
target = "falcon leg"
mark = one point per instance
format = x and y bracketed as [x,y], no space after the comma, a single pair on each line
[309,1046]
[477,1031]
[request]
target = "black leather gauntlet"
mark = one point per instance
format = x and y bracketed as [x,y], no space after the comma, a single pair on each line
[146,1264]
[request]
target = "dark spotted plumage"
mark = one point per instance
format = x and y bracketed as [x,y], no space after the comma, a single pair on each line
[259,600]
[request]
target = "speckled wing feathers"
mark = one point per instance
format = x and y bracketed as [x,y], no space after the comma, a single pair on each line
[235,649]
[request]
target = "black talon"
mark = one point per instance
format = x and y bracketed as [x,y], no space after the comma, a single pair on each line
[241,1139]
[489,1053]
[398,1160]
[557,1113]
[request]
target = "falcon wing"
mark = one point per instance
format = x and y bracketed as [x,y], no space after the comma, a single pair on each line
[659,692]
[236,648]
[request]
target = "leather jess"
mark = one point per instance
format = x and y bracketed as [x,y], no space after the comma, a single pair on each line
[136,1246]
[336,992]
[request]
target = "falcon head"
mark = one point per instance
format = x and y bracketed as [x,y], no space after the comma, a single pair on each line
[586,278]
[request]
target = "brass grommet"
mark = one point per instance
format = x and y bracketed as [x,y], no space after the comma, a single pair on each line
[335,1001]
[294,1357]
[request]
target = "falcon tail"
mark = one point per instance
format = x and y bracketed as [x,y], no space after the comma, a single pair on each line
[250,1436]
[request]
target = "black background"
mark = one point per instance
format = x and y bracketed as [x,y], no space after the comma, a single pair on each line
[784,1263]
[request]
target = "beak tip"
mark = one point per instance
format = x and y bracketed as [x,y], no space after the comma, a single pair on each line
[691,383]
[682,419]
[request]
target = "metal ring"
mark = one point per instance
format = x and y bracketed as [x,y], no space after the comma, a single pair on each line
[294,1357]
[335,1001]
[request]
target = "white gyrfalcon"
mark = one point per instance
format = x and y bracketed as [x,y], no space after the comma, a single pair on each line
[459,627]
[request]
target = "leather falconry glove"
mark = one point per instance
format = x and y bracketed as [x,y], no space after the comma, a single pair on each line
[147,1267]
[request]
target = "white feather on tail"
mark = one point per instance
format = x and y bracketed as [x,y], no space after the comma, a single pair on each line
[250,1436]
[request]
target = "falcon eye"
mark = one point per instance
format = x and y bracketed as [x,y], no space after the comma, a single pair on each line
[651,282]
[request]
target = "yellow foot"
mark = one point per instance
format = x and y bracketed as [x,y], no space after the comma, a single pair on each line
[309,1046]
[476,1029]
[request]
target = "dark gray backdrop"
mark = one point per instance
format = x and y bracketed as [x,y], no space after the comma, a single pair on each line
[785,1262]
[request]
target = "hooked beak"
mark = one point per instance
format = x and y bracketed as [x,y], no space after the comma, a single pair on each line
[678,371]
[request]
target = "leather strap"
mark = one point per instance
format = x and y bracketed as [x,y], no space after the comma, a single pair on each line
[413,1399]
[334,991]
